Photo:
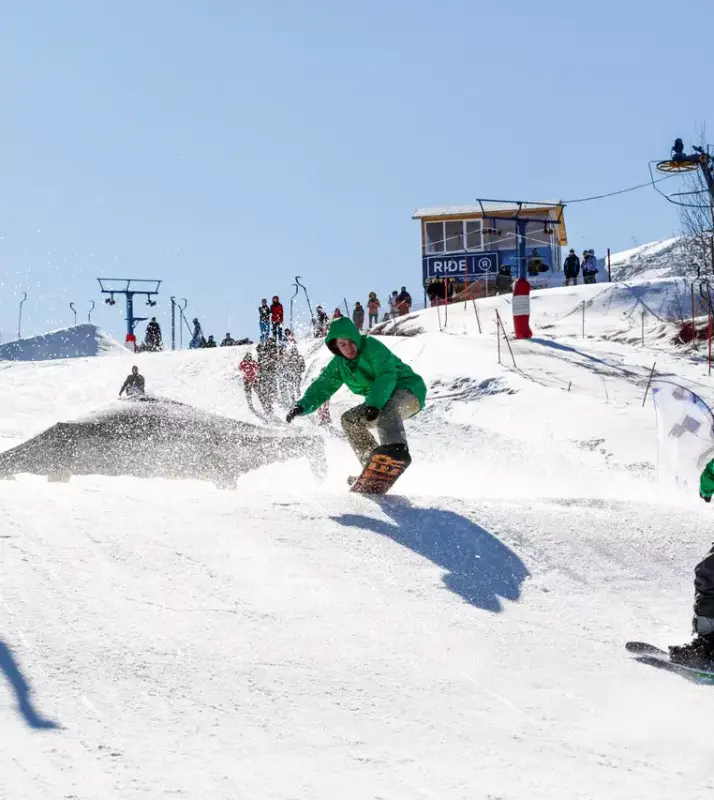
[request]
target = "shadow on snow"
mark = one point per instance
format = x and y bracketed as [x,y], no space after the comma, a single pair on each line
[481,569]
[22,690]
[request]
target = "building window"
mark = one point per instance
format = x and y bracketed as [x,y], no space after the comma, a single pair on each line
[453,236]
[434,237]
[474,234]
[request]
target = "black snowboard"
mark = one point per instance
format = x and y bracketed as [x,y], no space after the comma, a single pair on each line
[381,472]
[647,653]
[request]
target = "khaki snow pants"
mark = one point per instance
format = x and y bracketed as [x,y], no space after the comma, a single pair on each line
[390,424]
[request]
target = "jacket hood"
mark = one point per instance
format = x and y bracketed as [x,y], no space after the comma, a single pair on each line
[342,328]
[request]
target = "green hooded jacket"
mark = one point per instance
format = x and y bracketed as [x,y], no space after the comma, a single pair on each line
[706,480]
[374,374]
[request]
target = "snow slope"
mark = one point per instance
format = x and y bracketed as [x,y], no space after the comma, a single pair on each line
[667,258]
[460,639]
[78,341]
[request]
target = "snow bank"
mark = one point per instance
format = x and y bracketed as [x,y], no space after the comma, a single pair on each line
[78,341]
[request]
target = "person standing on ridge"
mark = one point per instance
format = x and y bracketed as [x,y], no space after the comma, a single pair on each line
[358,316]
[197,336]
[264,320]
[152,337]
[571,268]
[392,391]
[373,305]
[276,318]
[403,302]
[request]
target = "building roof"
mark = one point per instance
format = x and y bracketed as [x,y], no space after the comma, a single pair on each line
[485,207]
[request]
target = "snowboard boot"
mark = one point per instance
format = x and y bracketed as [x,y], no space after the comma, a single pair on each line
[698,654]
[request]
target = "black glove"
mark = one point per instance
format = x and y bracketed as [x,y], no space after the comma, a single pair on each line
[706,499]
[295,411]
[370,413]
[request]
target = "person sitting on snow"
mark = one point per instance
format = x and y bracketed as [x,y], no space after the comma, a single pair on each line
[134,383]
[391,389]
[228,341]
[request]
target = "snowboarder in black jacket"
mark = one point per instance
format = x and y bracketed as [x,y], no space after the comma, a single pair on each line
[134,383]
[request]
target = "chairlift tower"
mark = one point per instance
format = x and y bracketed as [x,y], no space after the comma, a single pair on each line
[679,162]
[130,287]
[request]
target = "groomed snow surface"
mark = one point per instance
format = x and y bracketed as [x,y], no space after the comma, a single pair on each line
[460,639]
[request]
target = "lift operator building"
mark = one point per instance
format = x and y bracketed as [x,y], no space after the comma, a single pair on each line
[477,242]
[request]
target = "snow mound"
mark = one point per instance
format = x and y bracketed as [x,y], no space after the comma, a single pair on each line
[662,259]
[77,341]
[152,437]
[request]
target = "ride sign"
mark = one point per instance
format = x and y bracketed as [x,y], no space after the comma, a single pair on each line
[471,266]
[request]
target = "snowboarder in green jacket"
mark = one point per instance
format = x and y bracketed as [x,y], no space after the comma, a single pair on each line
[391,389]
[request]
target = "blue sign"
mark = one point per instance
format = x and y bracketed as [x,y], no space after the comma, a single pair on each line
[466,266]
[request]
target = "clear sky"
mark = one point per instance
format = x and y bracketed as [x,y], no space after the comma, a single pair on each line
[226,146]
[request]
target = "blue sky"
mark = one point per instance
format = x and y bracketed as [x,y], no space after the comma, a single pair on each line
[226,147]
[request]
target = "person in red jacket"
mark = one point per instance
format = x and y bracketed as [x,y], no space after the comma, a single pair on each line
[251,374]
[276,318]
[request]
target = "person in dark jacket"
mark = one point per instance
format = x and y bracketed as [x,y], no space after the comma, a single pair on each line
[403,302]
[211,342]
[228,341]
[134,383]
[197,336]
[391,389]
[264,320]
[358,316]
[152,337]
[276,318]
[571,268]
[320,322]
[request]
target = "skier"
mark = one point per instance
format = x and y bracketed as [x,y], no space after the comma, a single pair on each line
[393,392]
[210,343]
[571,268]
[264,318]
[276,318]
[373,305]
[228,341]
[358,316]
[134,383]
[197,336]
[337,314]
[152,337]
